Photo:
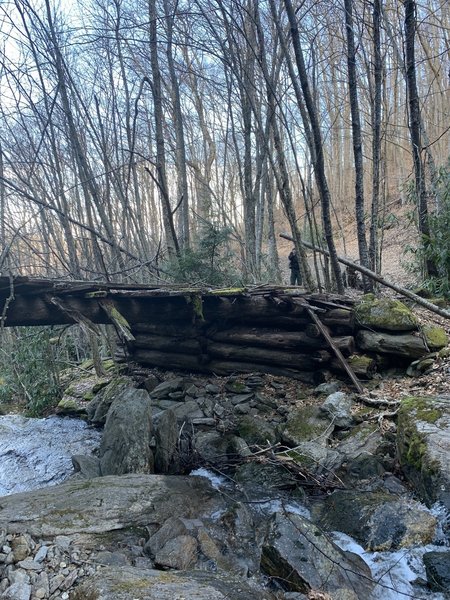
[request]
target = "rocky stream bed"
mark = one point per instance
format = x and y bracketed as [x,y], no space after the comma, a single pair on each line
[249,487]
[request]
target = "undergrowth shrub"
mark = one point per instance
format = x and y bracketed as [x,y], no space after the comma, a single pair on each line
[31,359]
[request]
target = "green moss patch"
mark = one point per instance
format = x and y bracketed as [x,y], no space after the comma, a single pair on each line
[435,336]
[385,314]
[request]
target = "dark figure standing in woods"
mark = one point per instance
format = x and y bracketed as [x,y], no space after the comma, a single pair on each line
[296,278]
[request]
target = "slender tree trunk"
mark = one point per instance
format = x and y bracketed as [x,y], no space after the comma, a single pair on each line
[415,127]
[357,138]
[182,183]
[169,229]
[376,136]
[319,164]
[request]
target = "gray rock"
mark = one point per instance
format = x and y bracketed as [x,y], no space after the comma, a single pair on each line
[316,457]
[212,389]
[217,448]
[87,466]
[110,504]
[306,424]
[240,398]
[125,446]
[380,521]
[437,566]
[166,437]
[178,553]
[186,411]
[41,554]
[168,387]
[29,565]
[329,387]
[338,408]
[150,383]
[17,591]
[128,583]
[112,559]
[256,430]
[299,554]
[98,407]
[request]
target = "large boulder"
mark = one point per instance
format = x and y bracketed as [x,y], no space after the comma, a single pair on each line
[300,555]
[131,583]
[423,443]
[187,523]
[98,407]
[125,446]
[380,521]
[384,314]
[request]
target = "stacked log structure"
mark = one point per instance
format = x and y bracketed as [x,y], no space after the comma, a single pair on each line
[267,331]
[283,331]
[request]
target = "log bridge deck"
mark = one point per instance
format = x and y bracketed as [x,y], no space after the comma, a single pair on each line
[283,331]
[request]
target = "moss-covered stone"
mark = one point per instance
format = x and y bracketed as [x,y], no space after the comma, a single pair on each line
[423,444]
[306,424]
[255,430]
[70,405]
[435,336]
[384,314]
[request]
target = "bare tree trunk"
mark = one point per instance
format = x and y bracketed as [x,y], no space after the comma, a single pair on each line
[318,158]
[357,139]
[376,137]
[415,127]
[169,229]
[182,184]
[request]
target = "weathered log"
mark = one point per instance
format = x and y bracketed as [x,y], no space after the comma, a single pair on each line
[294,360]
[220,367]
[362,365]
[284,340]
[405,345]
[175,328]
[176,344]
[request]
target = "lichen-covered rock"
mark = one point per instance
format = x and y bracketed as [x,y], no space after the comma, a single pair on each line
[70,406]
[130,583]
[384,314]
[378,520]
[306,424]
[98,407]
[125,446]
[423,442]
[256,430]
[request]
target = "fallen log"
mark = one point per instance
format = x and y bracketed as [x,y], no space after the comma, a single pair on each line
[404,292]
[178,345]
[406,345]
[283,340]
[303,362]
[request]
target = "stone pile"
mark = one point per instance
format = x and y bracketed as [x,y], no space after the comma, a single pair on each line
[36,569]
